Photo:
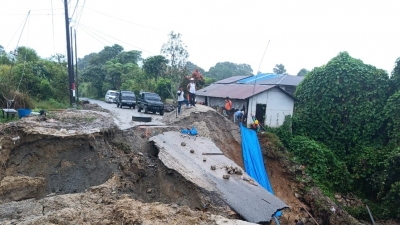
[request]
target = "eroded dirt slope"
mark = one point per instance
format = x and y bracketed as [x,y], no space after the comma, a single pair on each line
[77,168]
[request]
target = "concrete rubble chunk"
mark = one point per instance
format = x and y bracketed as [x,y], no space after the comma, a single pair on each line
[253,196]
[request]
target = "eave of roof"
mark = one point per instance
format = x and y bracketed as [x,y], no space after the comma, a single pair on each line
[233,91]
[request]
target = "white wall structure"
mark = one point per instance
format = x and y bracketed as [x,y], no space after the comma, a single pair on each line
[278,105]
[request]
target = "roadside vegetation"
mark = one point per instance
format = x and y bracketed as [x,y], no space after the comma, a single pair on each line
[345,131]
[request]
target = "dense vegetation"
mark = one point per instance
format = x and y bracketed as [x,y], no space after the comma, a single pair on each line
[31,80]
[345,130]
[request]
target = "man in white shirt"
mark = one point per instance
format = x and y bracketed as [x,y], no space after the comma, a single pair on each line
[181,99]
[191,87]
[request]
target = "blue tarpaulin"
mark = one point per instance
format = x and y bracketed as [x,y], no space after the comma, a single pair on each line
[193,131]
[253,160]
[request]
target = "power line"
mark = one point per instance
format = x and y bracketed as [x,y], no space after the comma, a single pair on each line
[128,21]
[52,21]
[75,8]
[79,16]
[117,39]
[23,27]
[87,31]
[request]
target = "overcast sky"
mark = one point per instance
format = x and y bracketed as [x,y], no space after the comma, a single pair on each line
[301,34]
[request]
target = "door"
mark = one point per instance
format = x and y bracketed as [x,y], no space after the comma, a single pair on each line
[261,110]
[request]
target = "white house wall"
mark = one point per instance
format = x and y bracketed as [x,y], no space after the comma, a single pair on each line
[278,104]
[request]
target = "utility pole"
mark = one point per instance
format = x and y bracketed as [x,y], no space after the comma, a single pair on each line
[76,69]
[69,58]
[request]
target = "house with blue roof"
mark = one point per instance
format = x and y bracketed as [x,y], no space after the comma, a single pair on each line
[267,96]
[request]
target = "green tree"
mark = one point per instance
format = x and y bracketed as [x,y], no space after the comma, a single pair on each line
[209,81]
[224,70]
[95,72]
[340,104]
[395,78]
[130,57]
[162,88]
[279,69]
[155,66]
[302,72]
[175,51]
[26,54]
[4,59]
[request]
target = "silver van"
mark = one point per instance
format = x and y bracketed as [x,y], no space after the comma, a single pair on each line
[111,96]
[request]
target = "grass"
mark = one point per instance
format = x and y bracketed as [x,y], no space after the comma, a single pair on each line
[6,120]
[49,105]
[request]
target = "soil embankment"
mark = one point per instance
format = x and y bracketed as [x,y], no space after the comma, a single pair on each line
[77,167]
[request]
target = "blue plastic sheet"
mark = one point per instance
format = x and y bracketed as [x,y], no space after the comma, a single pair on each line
[192,131]
[253,160]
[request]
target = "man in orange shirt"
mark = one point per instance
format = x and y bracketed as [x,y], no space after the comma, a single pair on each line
[228,105]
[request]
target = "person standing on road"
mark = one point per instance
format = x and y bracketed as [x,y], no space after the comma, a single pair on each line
[191,87]
[181,99]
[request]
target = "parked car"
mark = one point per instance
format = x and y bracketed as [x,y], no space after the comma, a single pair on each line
[126,98]
[111,96]
[150,102]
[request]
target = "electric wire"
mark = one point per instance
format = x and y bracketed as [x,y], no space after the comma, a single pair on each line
[52,22]
[255,79]
[128,21]
[79,15]
[24,66]
[117,39]
[23,24]
[72,16]
[88,32]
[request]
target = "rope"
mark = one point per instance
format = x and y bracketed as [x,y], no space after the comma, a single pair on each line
[52,21]
[12,66]
[254,85]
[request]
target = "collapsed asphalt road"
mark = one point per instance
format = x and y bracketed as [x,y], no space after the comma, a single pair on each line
[123,117]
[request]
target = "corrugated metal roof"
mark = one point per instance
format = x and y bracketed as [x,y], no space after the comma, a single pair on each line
[233,91]
[272,79]
[283,80]
[230,80]
[258,77]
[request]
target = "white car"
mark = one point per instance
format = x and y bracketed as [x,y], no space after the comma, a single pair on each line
[111,96]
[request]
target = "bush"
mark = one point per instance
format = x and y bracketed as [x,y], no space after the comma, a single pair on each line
[321,164]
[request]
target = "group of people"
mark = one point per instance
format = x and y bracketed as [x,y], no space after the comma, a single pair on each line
[191,88]
[239,115]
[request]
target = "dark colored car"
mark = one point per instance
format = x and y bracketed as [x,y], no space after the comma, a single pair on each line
[126,98]
[150,102]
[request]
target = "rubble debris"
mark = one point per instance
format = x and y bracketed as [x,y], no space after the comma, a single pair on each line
[226,176]
[169,108]
[183,143]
